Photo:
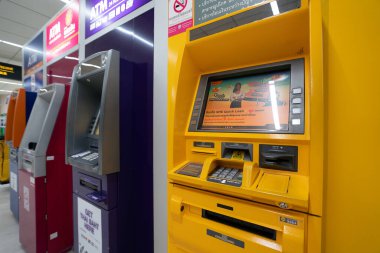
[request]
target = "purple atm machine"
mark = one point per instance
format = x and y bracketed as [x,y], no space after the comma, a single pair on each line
[92,148]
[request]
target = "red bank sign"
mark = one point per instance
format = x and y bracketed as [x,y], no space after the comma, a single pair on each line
[62,32]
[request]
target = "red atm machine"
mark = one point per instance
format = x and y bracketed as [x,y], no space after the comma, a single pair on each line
[45,181]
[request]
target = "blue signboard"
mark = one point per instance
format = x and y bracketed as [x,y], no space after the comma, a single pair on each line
[33,55]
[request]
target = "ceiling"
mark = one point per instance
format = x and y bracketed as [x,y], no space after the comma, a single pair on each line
[20,21]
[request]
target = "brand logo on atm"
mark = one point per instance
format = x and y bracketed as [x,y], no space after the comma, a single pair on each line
[289,221]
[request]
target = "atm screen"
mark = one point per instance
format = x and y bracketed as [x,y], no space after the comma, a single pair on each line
[258,102]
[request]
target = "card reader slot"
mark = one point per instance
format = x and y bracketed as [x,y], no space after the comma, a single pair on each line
[240,224]
[279,157]
[27,163]
[278,161]
[89,185]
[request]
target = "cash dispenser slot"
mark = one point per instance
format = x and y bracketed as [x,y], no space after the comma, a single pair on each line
[92,187]
[27,164]
[32,145]
[279,157]
[240,224]
[239,151]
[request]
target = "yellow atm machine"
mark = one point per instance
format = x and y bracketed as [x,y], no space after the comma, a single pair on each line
[245,132]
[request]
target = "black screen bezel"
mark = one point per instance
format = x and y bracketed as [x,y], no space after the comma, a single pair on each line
[297,73]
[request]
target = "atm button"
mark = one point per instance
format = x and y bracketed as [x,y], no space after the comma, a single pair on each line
[296,122]
[297,101]
[198,99]
[193,122]
[195,114]
[296,110]
[196,107]
[297,91]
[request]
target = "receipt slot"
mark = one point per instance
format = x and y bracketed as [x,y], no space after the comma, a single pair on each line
[92,148]
[45,180]
[19,109]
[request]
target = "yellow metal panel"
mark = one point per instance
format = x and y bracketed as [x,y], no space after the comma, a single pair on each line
[293,35]
[317,113]
[274,183]
[351,51]
[190,232]
[314,238]
[4,162]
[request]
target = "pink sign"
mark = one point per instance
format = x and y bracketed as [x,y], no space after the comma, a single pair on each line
[62,33]
[180,16]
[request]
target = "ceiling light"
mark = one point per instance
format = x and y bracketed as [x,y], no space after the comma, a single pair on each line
[135,36]
[71,58]
[91,65]
[58,76]
[20,46]
[11,43]
[274,7]
[10,83]
[8,91]
[66,1]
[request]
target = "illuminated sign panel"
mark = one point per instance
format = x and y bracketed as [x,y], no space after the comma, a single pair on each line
[62,32]
[9,71]
[33,55]
[102,13]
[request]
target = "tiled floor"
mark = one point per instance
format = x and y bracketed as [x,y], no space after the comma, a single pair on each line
[8,225]
[9,242]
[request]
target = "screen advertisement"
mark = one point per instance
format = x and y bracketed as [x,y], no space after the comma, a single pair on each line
[248,103]
[102,13]
[62,32]
[33,54]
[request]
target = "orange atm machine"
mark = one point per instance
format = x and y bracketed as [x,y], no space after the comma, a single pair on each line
[246,132]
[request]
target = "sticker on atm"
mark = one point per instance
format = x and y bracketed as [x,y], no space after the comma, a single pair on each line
[289,220]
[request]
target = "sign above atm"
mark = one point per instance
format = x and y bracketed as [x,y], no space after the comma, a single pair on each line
[102,13]
[209,10]
[10,71]
[62,32]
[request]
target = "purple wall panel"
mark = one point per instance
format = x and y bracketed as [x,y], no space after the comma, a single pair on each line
[134,41]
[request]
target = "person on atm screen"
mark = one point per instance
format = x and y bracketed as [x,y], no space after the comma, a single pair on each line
[236,97]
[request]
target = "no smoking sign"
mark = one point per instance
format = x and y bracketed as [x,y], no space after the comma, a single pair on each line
[179,5]
[180,16]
